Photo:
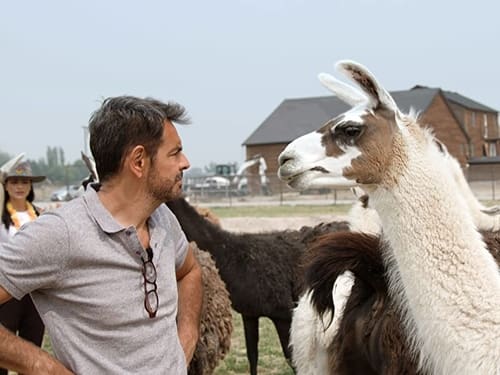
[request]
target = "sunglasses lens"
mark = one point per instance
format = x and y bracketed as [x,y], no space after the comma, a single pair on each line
[150,272]
[152,301]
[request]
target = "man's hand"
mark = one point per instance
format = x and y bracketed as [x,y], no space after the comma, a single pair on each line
[26,358]
[188,338]
[47,364]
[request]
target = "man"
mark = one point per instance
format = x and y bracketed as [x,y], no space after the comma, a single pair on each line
[111,273]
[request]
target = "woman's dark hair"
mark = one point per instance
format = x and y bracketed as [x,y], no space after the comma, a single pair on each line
[122,123]
[6,220]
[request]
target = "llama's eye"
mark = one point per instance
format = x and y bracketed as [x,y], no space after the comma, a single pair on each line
[351,131]
[348,133]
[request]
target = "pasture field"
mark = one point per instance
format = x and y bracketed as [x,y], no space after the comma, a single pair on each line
[271,358]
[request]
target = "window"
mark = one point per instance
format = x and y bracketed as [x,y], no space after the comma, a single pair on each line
[473,119]
[485,125]
[493,150]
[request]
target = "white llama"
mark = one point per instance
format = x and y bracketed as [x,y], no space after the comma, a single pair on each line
[445,281]
[311,333]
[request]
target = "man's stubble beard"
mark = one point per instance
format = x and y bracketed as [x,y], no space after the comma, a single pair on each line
[164,191]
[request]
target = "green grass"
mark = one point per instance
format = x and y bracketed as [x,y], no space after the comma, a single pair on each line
[277,211]
[271,358]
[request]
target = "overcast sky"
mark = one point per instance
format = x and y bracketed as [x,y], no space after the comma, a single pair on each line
[230,62]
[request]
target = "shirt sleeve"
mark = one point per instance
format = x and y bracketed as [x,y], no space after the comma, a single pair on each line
[180,241]
[4,233]
[34,258]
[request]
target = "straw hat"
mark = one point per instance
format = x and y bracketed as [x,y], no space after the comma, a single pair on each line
[23,170]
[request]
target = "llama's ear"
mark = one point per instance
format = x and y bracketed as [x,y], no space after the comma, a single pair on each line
[90,164]
[377,95]
[343,91]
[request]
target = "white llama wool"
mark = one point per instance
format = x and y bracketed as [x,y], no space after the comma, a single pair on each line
[311,334]
[439,267]
[307,329]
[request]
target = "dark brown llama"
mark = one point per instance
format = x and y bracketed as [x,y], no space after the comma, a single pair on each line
[260,271]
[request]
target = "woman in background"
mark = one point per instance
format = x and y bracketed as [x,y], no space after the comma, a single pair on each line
[20,317]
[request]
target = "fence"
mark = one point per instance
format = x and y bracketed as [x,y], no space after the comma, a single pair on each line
[484,180]
[275,192]
[252,190]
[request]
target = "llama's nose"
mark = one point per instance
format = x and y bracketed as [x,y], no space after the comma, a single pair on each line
[283,158]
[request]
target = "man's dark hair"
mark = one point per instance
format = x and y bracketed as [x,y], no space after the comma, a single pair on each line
[124,122]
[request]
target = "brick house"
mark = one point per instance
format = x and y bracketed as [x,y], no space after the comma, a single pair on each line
[469,130]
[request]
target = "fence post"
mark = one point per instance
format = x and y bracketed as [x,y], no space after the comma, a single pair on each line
[493,181]
[229,193]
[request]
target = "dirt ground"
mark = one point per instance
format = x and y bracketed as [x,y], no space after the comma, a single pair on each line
[266,224]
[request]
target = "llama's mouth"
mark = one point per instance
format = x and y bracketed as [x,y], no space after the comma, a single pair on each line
[300,181]
[318,177]
[288,175]
[319,169]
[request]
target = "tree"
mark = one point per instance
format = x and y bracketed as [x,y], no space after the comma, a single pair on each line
[4,157]
[54,166]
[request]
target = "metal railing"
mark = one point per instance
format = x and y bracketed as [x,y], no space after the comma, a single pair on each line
[253,191]
[278,193]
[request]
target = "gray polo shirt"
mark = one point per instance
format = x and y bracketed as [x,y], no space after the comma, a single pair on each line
[84,272]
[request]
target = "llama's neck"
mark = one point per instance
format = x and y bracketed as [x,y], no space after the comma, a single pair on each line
[207,236]
[444,279]
[363,219]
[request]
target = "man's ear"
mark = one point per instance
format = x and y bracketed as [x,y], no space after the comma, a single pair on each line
[136,161]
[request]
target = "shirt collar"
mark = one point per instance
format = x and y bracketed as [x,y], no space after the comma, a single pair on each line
[97,210]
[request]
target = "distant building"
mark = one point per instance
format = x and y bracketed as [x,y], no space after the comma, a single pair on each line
[470,130]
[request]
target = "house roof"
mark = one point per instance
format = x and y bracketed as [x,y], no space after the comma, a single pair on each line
[296,117]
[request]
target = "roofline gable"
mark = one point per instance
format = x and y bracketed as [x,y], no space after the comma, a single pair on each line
[294,117]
